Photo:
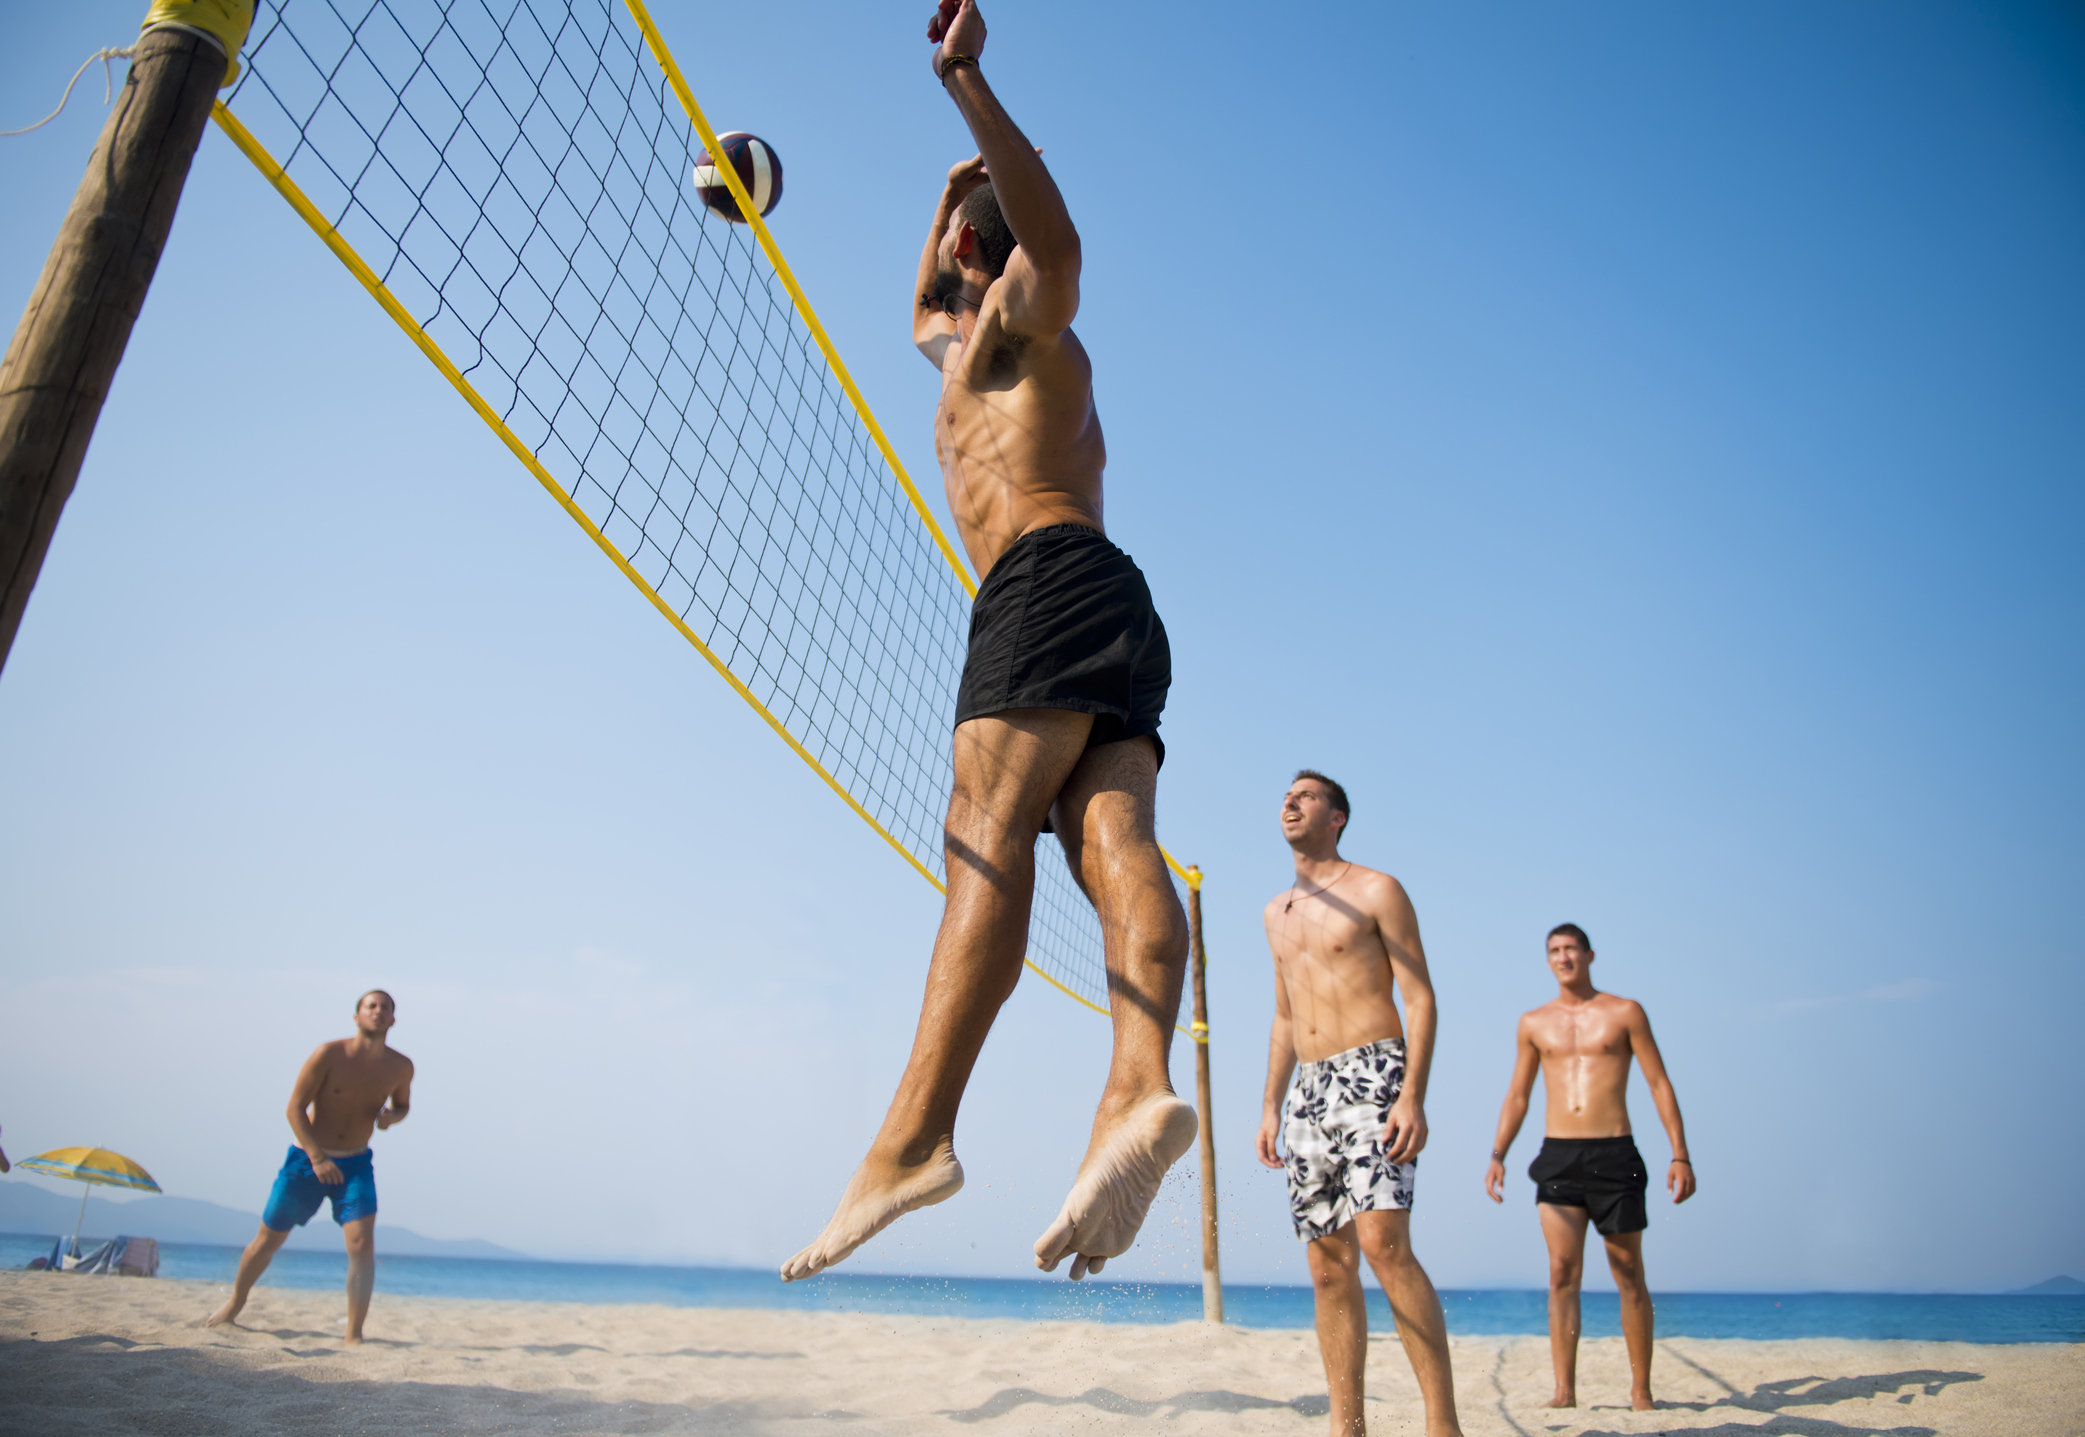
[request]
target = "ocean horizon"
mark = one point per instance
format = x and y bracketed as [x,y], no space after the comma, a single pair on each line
[1928,1317]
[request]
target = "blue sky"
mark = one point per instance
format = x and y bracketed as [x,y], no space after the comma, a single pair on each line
[1637,450]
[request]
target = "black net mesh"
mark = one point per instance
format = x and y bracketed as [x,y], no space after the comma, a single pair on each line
[517,172]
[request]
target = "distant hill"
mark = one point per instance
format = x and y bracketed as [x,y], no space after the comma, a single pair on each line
[39,1212]
[2054,1287]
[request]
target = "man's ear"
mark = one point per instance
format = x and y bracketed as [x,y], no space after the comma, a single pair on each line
[966,241]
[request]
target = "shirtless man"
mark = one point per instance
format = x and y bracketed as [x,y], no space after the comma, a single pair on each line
[1589,1169]
[347,1088]
[1056,722]
[1344,937]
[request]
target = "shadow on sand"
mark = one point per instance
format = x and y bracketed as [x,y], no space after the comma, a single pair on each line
[88,1386]
[1103,1399]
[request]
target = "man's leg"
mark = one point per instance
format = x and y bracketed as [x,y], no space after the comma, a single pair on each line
[1563,1228]
[1625,1261]
[1009,767]
[1342,1313]
[252,1263]
[360,1236]
[1104,816]
[1386,1241]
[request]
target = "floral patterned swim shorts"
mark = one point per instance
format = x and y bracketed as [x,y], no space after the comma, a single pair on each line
[1333,1126]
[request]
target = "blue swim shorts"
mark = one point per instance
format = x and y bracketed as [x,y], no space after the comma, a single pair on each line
[298,1191]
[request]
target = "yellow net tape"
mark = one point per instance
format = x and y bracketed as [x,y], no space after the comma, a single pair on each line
[510,182]
[225,21]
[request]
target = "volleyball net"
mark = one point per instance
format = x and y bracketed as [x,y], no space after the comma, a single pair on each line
[510,179]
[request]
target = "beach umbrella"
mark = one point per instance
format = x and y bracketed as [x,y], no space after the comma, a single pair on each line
[92,1166]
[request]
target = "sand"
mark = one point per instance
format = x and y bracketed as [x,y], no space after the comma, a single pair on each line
[128,1355]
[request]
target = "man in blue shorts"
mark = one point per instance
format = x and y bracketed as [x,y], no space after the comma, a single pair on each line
[348,1088]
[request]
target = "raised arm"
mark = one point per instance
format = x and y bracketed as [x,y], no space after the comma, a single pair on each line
[310,1078]
[1527,1061]
[932,329]
[1679,1173]
[1039,293]
[1281,1062]
[1404,1137]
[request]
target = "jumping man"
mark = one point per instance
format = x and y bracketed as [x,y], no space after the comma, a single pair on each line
[1344,937]
[1056,722]
[1589,1169]
[347,1088]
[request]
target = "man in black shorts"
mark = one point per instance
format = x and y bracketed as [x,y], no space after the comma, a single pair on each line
[1589,1170]
[1058,710]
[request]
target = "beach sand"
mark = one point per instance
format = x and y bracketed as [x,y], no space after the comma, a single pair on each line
[126,1355]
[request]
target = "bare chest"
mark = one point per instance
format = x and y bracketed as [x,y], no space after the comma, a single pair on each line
[1563,1037]
[352,1084]
[1318,946]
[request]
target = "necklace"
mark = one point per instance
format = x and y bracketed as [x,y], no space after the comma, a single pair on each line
[1322,891]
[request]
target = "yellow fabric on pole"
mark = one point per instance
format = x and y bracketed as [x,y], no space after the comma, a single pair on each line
[91,1165]
[225,21]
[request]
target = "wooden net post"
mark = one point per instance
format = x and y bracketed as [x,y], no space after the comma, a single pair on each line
[1212,1268]
[65,351]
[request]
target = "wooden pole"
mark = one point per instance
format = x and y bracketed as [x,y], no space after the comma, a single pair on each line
[1212,1269]
[65,351]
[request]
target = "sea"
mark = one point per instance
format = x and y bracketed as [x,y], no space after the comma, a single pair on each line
[1927,1317]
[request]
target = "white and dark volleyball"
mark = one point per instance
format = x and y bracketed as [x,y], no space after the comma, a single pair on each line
[759,170]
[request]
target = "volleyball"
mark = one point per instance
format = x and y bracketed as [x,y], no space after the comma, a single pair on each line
[759,170]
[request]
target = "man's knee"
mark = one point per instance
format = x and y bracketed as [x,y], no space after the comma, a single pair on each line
[360,1239]
[1565,1272]
[1626,1265]
[1333,1263]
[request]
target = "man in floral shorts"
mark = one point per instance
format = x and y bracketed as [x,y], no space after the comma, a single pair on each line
[1345,942]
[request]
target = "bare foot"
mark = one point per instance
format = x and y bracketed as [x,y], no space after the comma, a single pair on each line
[1564,1399]
[224,1315]
[1641,1402]
[351,1340]
[1116,1184]
[877,1195]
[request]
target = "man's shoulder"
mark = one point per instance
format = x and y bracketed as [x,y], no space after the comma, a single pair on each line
[1615,1003]
[1375,879]
[400,1061]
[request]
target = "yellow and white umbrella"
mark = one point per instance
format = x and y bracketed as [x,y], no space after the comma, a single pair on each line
[93,1166]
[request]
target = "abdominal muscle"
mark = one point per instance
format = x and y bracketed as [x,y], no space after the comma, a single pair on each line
[1023,457]
[1588,1096]
[1334,1008]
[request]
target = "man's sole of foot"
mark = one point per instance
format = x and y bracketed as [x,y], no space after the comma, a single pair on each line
[1115,1186]
[865,1211]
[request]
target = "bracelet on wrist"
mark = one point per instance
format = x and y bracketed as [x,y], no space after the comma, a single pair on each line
[946,63]
[1688,1161]
[1498,1157]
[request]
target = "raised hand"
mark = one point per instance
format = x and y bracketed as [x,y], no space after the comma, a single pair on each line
[958,29]
[964,178]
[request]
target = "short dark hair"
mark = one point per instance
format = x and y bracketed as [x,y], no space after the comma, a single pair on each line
[1339,795]
[1570,930]
[980,210]
[387,997]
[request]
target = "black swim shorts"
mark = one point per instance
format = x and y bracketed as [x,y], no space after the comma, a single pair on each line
[1605,1176]
[1064,621]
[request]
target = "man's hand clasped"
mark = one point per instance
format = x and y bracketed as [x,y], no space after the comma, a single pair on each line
[1404,1136]
[322,1168]
[1679,1179]
[1266,1144]
[959,30]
